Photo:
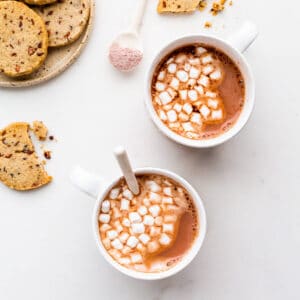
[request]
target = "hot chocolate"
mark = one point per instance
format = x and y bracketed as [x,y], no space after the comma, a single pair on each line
[198,92]
[152,231]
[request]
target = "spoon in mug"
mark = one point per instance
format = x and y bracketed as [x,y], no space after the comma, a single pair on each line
[124,163]
[126,51]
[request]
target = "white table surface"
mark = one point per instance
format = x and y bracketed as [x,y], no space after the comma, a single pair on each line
[249,186]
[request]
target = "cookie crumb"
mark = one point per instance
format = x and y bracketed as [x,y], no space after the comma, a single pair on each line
[40,130]
[217,7]
[47,154]
[207,24]
[202,5]
[51,137]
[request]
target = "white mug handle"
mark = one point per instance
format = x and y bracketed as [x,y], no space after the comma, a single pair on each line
[87,182]
[244,37]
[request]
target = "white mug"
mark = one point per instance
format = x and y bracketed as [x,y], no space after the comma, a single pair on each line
[233,47]
[99,188]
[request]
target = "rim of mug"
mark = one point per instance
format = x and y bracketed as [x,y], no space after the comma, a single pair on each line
[187,258]
[238,59]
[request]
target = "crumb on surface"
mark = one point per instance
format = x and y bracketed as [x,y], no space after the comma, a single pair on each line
[217,7]
[47,154]
[231,3]
[207,24]
[40,130]
[202,5]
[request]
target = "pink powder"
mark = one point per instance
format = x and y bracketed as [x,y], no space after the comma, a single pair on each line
[124,59]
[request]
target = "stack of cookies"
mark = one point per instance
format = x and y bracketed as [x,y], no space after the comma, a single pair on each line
[28,29]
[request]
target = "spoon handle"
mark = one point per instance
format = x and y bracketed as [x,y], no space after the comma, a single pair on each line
[138,17]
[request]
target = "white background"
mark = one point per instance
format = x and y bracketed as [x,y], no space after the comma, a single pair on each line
[250,186]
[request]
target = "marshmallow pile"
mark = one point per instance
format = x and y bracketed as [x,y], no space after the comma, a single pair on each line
[185,92]
[133,228]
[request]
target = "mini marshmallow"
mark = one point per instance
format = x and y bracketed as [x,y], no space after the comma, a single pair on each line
[174,83]
[167,107]
[172,115]
[154,210]
[171,92]
[111,234]
[168,228]
[170,60]
[128,194]
[135,217]
[217,114]
[180,58]
[177,107]
[132,242]
[161,75]
[144,238]
[167,200]
[154,197]
[200,50]
[106,243]
[194,73]
[194,61]
[183,94]
[104,218]
[126,222]
[136,258]
[140,268]
[216,75]
[116,213]
[124,204]
[124,237]
[165,98]
[196,118]
[155,231]
[205,111]
[183,117]
[164,239]
[117,244]
[170,218]
[115,253]
[118,226]
[191,82]
[148,220]
[187,126]
[153,186]
[157,100]
[182,76]
[114,193]
[199,89]
[162,115]
[193,95]
[206,59]
[160,86]
[153,246]
[172,68]
[146,202]
[175,125]
[142,210]
[192,135]
[207,69]
[105,206]
[126,250]
[211,94]
[138,228]
[167,191]
[158,221]
[104,227]
[204,80]
[187,107]
[212,103]
[124,261]
[141,247]
[187,67]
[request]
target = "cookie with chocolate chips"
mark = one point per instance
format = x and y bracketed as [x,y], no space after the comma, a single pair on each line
[23,39]
[20,167]
[177,6]
[65,20]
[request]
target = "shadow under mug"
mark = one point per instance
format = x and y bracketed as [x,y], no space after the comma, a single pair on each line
[232,47]
[98,188]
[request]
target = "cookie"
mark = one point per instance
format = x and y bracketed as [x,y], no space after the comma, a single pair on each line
[23,39]
[177,6]
[39,2]
[65,20]
[40,130]
[20,168]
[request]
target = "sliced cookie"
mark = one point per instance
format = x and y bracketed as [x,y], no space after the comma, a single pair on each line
[40,130]
[20,168]
[65,20]
[177,6]
[23,39]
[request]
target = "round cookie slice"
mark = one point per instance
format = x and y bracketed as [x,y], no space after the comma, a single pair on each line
[23,39]
[65,20]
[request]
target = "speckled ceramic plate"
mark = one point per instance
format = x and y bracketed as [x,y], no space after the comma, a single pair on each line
[58,60]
